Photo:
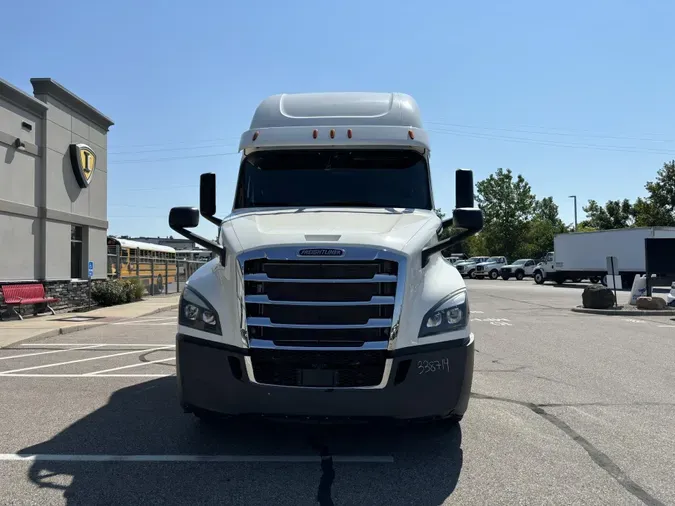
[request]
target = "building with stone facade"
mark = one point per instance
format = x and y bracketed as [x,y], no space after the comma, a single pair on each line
[53,189]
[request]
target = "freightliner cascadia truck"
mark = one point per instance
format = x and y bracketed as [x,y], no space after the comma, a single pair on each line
[329,297]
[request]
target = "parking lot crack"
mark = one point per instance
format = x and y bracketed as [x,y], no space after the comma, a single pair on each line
[601,459]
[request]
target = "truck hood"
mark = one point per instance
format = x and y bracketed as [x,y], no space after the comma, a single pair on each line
[396,229]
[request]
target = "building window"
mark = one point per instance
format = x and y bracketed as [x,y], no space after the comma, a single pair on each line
[75,252]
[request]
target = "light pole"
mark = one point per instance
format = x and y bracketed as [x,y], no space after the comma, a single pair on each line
[575,211]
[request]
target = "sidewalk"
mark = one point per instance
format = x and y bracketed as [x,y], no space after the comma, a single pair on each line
[14,331]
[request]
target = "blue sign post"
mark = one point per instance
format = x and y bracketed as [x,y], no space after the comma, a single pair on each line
[90,274]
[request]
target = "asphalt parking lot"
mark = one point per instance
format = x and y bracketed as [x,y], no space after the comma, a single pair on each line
[566,409]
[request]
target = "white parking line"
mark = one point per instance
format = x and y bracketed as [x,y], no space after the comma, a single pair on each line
[96,373]
[137,345]
[355,459]
[52,351]
[5,373]
[21,375]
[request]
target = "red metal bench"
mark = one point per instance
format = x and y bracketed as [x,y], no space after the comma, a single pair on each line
[26,295]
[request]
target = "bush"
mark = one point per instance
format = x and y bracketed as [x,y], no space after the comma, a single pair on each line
[135,289]
[109,293]
[117,291]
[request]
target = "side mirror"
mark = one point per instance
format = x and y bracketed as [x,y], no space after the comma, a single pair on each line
[183,217]
[468,218]
[465,215]
[463,188]
[207,198]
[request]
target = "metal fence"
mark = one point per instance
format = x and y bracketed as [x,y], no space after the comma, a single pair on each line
[158,275]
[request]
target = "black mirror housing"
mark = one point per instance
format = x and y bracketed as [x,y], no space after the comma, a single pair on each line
[207,194]
[183,217]
[207,198]
[463,189]
[468,218]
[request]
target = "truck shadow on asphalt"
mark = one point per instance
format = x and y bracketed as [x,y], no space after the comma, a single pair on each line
[144,419]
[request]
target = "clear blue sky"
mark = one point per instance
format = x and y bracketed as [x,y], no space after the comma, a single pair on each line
[576,96]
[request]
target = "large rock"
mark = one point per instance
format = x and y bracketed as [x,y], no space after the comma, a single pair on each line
[597,297]
[651,303]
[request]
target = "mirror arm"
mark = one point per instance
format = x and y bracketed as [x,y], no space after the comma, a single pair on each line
[216,221]
[202,241]
[443,245]
[444,224]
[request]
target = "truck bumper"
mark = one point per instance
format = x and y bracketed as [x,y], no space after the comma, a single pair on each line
[424,382]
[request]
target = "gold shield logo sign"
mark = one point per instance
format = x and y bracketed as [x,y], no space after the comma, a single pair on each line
[83,160]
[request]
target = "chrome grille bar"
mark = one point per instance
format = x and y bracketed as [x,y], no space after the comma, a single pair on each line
[377,278]
[264,299]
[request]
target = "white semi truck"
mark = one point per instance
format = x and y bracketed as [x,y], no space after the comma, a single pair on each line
[583,255]
[329,297]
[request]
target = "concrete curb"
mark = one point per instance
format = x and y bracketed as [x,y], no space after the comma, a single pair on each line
[76,328]
[625,312]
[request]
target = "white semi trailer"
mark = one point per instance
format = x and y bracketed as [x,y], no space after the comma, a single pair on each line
[583,255]
[329,296]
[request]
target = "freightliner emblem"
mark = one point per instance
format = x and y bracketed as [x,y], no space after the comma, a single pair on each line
[321,252]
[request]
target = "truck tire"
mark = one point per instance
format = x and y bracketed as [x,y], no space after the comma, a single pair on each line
[539,277]
[472,274]
[594,279]
[520,275]
[505,277]
[494,274]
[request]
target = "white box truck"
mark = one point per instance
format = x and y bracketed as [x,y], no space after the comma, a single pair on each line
[329,297]
[583,255]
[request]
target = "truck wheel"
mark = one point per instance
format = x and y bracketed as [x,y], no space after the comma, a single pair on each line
[594,279]
[520,275]
[505,277]
[472,274]
[576,280]
[494,274]
[603,281]
[539,278]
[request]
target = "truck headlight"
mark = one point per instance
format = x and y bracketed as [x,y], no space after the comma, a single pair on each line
[448,315]
[195,312]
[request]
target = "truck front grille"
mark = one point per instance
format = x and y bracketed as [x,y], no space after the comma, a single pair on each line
[479,268]
[295,309]
[320,301]
[311,368]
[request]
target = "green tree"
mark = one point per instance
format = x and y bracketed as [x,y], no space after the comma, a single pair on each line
[543,227]
[508,205]
[658,209]
[614,214]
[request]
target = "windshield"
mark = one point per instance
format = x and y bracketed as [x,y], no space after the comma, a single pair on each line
[494,259]
[520,262]
[361,178]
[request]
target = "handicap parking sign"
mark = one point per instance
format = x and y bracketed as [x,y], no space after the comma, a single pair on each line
[90,268]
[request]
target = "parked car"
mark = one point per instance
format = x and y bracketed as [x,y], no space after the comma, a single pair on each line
[489,268]
[468,267]
[523,267]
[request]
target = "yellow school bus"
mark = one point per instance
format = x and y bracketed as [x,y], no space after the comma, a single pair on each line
[136,259]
